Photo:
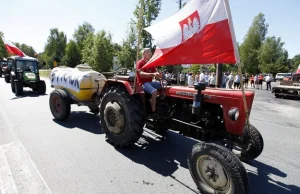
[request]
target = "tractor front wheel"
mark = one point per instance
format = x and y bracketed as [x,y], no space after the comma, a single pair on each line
[215,169]
[18,88]
[12,84]
[60,104]
[120,117]
[6,78]
[42,87]
[254,147]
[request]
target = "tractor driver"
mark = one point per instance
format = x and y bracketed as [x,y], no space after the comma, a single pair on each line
[145,77]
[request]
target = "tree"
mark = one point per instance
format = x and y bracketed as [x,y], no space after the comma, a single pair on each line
[56,45]
[151,10]
[295,62]
[98,51]
[127,54]
[82,32]
[195,68]
[73,55]
[253,40]
[272,57]
[3,51]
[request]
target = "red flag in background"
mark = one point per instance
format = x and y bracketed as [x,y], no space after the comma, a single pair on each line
[12,49]
[200,33]
[298,70]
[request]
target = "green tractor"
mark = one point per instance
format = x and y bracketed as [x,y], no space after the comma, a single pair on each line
[24,72]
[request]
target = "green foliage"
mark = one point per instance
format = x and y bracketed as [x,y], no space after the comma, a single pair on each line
[72,56]
[127,54]
[56,45]
[272,57]
[151,10]
[295,62]
[3,51]
[194,68]
[249,49]
[82,32]
[98,51]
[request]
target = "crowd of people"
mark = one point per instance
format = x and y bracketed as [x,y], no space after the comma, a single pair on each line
[229,80]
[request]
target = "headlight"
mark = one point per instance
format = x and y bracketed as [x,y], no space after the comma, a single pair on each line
[234,114]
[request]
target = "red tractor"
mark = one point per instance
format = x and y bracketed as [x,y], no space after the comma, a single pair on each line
[214,116]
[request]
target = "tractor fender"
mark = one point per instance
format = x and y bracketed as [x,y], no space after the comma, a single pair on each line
[126,84]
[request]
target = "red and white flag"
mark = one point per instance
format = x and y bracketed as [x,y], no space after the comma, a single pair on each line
[298,70]
[200,33]
[12,49]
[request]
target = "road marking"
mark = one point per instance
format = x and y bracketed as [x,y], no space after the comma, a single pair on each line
[6,180]
[24,175]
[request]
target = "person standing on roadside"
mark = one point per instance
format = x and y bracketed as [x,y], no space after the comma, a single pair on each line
[268,80]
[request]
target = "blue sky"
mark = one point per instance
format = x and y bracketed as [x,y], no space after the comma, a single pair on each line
[29,21]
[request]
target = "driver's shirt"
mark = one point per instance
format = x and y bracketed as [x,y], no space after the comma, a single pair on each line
[141,80]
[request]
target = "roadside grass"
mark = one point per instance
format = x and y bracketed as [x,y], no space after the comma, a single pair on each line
[45,73]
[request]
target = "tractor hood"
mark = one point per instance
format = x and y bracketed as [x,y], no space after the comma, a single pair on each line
[29,76]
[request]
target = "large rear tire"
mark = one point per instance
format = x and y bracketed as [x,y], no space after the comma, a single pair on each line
[60,104]
[121,117]
[215,169]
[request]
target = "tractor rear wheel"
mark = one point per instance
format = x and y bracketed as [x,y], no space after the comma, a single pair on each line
[18,88]
[60,104]
[215,169]
[120,117]
[41,87]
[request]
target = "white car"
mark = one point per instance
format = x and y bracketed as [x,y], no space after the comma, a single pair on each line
[280,76]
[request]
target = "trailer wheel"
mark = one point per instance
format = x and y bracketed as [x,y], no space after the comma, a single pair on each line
[41,87]
[215,169]
[120,117]
[255,146]
[60,104]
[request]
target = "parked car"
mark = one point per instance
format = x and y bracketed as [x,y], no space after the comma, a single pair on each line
[281,76]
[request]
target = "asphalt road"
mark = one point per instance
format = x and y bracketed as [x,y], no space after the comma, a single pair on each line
[40,155]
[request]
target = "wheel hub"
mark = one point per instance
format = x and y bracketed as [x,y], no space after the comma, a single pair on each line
[114,117]
[213,173]
[57,104]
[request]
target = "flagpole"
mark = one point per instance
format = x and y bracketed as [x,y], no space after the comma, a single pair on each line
[237,56]
[138,43]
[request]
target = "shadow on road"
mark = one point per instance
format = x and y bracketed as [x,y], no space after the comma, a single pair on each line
[29,94]
[82,120]
[261,182]
[162,155]
[165,155]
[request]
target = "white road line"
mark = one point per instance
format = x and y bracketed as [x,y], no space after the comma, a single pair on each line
[6,180]
[25,174]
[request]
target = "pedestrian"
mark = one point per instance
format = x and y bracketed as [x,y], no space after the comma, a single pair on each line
[260,81]
[237,81]
[212,80]
[252,81]
[268,80]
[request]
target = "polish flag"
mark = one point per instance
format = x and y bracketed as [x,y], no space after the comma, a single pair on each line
[298,70]
[200,33]
[12,49]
